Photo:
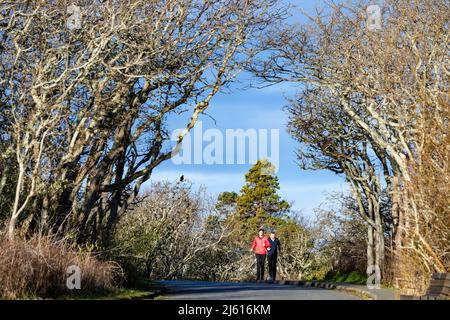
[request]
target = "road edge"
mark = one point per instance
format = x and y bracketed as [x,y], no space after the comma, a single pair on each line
[363,294]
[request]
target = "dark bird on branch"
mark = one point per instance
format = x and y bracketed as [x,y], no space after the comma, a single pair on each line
[182,178]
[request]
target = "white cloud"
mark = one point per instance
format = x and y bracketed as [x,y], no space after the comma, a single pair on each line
[306,195]
[307,187]
[215,183]
[198,177]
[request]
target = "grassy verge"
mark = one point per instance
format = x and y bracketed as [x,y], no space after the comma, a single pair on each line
[353,277]
[145,289]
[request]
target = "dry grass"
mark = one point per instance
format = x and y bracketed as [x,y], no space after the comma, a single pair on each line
[38,268]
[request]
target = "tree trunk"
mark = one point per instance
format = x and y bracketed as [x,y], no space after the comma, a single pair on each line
[14,214]
[370,246]
[379,236]
[379,248]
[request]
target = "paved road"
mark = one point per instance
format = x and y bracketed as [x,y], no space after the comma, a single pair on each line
[199,290]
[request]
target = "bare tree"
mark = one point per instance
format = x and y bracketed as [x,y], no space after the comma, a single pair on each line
[298,255]
[344,233]
[329,140]
[168,230]
[395,74]
[87,108]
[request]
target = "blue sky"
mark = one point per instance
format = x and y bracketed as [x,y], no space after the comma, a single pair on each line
[256,109]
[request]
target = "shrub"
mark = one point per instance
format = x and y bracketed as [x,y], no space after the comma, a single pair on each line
[166,232]
[38,268]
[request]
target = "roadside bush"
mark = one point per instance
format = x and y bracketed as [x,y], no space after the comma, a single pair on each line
[170,228]
[38,268]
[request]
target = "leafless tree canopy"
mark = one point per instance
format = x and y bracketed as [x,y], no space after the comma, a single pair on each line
[84,112]
[170,227]
[376,105]
[87,99]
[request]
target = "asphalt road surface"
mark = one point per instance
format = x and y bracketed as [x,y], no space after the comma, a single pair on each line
[200,290]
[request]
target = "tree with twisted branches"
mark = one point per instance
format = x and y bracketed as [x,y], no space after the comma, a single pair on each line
[86,109]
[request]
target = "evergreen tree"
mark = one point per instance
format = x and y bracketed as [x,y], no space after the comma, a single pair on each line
[259,204]
[226,202]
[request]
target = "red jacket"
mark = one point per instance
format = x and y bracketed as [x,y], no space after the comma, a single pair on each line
[260,245]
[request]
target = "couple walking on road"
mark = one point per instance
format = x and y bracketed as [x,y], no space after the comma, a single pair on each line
[262,247]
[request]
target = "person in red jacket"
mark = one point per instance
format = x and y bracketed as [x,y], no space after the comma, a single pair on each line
[260,246]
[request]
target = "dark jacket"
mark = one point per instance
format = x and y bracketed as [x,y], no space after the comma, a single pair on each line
[275,246]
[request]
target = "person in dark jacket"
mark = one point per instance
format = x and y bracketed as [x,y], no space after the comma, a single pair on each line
[272,255]
[260,246]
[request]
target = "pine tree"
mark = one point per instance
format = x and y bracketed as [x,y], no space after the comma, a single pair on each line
[226,202]
[259,204]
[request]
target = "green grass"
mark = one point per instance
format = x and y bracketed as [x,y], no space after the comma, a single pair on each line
[144,289]
[117,294]
[353,277]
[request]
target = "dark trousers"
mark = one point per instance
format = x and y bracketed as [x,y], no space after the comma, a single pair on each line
[272,261]
[260,260]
